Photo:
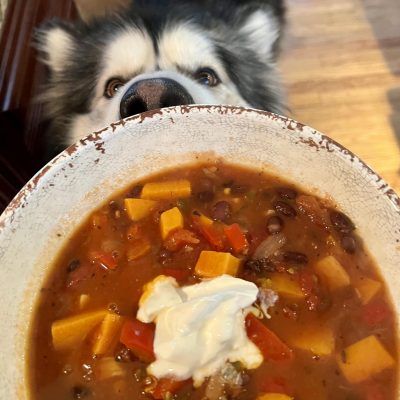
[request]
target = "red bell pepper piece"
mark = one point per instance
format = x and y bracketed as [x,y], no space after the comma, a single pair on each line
[139,338]
[165,386]
[236,238]
[213,236]
[105,259]
[269,344]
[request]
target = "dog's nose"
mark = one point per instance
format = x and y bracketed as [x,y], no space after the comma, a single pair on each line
[149,94]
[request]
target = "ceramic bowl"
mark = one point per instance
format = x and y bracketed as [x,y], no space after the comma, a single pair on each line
[42,217]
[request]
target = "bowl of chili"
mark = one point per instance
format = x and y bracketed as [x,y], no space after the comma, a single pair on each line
[259,197]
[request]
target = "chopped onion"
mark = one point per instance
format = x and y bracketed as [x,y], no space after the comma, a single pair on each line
[269,246]
[109,368]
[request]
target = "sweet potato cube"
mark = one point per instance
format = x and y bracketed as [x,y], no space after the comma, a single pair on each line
[363,359]
[286,286]
[70,332]
[320,340]
[367,288]
[138,208]
[205,221]
[213,263]
[332,273]
[170,220]
[274,396]
[166,190]
[109,328]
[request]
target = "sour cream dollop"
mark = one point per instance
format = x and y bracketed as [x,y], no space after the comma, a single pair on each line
[198,327]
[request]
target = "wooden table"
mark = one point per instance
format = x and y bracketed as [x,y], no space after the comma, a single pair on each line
[341,64]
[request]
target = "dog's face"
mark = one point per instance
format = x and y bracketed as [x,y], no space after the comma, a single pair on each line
[159,55]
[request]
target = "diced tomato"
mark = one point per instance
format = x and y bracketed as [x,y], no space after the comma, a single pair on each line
[236,238]
[375,313]
[267,341]
[179,238]
[165,386]
[374,392]
[275,385]
[139,338]
[180,274]
[104,258]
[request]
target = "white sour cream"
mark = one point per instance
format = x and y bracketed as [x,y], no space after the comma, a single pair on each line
[198,327]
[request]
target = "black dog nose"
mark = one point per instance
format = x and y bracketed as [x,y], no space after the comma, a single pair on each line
[150,94]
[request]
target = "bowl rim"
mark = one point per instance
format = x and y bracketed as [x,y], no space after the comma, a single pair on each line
[96,138]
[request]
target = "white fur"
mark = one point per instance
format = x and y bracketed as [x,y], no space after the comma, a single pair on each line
[131,55]
[128,54]
[261,30]
[57,45]
[187,47]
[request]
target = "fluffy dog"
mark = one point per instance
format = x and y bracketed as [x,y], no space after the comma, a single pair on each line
[160,53]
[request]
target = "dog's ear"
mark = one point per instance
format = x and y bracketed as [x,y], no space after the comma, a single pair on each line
[261,28]
[54,41]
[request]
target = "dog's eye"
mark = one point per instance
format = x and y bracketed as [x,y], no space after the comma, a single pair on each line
[207,77]
[112,87]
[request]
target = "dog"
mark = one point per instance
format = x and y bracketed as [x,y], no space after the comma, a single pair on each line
[159,53]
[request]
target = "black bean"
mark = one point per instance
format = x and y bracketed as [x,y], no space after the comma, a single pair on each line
[295,257]
[205,196]
[79,392]
[274,224]
[113,205]
[349,244]
[73,265]
[287,193]
[285,209]
[341,222]
[136,191]
[260,265]
[221,211]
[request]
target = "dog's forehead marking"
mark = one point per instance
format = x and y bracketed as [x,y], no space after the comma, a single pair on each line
[185,46]
[131,51]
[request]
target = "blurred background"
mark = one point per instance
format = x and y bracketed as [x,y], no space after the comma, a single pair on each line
[340,63]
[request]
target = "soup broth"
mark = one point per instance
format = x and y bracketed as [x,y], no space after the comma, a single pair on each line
[321,321]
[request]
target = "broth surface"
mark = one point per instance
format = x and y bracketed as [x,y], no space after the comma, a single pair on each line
[330,295]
